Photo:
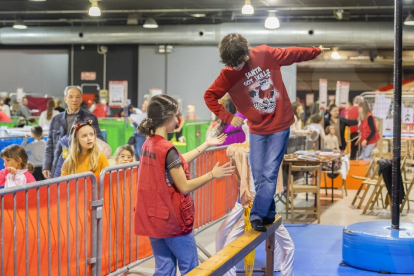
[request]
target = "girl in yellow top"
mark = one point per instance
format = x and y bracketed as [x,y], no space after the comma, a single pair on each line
[84,155]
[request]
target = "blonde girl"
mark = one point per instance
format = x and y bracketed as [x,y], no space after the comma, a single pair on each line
[17,169]
[84,154]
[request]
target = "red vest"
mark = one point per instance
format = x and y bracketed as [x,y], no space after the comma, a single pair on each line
[161,211]
[366,131]
[353,114]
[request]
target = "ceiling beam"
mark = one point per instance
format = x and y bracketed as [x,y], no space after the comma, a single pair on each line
[206,10]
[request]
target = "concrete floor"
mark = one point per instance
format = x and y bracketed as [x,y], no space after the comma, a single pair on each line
[339,212]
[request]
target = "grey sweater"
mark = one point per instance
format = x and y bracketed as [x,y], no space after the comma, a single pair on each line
[36,151]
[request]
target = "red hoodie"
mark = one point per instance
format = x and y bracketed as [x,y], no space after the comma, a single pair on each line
[257,90]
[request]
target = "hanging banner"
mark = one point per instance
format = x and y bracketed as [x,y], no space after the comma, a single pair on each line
[323,94]
[342,94]
[118,92]
[344,99]
[407,114]
[310,99]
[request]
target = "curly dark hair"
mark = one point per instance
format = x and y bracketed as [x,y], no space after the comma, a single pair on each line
[234,49]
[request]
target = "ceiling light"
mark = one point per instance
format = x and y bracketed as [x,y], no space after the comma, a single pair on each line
[198,15]
[19,24]
[272,22]
[95,10]
[150,23]
[335,55]
[247,8]
[409,20]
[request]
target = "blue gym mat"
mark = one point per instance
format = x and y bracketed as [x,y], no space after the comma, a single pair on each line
[318,252]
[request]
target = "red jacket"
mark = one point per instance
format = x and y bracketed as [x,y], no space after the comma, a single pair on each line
[257,90]
[161,211]
[353,114]
[366,131]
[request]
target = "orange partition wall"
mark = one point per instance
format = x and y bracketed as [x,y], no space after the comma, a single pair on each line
[70,230]
[358,168]
[120,245]
[216,198]
[337,181]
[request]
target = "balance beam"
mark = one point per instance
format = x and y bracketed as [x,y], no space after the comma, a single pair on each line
[233,253]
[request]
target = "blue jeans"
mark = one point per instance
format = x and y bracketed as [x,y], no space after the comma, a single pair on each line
[139,141]
[266,155]
[168,251]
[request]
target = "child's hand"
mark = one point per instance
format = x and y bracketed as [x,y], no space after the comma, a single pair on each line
[364,143]
[12,170]
[357,142]
[221,171]
[216,140]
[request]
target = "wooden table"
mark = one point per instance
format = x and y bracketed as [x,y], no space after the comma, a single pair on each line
[299,162]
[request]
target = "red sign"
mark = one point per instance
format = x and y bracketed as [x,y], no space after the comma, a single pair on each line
[88,76]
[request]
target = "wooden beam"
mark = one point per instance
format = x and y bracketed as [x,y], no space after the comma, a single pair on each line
[233,253]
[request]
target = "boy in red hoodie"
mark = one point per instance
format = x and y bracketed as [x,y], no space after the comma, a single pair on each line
[253,79]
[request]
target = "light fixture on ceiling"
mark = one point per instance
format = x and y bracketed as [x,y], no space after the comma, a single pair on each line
[247,8]
[94,9]
[19,24]
[272,22]
[335,54]
[198,15]
[150,23]
[409,21]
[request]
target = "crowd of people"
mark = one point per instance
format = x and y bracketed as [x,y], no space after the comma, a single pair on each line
[362,134]
[164,206]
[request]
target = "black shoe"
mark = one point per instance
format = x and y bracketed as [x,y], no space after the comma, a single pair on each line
[258,225]
[267,221]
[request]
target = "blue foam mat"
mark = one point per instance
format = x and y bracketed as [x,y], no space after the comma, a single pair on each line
[318,252]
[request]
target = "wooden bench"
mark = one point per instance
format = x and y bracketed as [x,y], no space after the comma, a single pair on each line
[233,253]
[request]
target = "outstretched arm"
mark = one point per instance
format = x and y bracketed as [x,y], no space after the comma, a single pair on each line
[290,55]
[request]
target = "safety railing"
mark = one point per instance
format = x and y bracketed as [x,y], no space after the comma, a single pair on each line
[120,248]
[75,226]
[50,227]
[215,199]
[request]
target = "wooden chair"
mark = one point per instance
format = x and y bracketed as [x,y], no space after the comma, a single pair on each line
[407,174]
[380,186]
[311,189]
[372,172]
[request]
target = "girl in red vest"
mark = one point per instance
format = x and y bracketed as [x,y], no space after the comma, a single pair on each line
[165,209]
[368,131]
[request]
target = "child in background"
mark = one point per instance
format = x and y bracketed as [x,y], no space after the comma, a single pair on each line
[124,154]
[84,154]
[331,141]
[17,169]
[36,151]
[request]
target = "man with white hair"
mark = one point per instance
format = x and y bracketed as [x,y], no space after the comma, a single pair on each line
[61,125]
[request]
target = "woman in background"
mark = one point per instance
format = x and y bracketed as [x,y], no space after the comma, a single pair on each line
[47,115]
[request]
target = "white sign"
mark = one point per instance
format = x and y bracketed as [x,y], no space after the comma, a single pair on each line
[118,91]
[323,93]
[381,106]
[344,99]
[387,127]
[20,94]
[155,91]
[407,115]
[342,94]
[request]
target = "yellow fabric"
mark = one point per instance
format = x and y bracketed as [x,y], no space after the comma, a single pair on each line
[249,259]
[84,164]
